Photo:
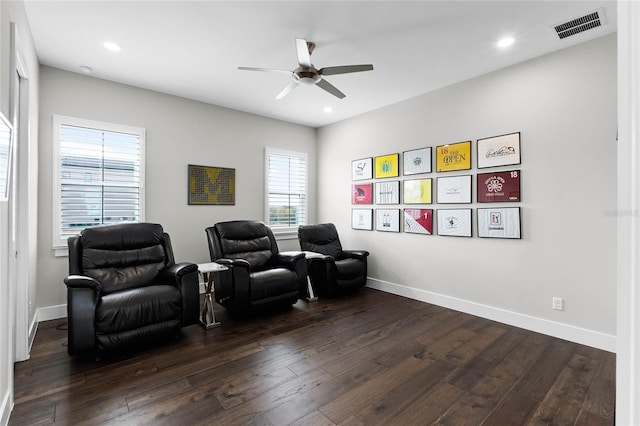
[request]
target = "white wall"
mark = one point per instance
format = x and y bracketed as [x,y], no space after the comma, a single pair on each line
[178,132]
[564,105]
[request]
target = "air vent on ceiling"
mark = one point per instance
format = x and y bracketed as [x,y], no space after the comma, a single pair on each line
[575,26]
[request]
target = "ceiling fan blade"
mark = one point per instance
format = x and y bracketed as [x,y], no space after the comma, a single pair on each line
[345,69]
[324,84]
[287,89]
[264,69]
[302,50]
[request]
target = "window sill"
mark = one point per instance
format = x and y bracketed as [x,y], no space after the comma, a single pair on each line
[60,251]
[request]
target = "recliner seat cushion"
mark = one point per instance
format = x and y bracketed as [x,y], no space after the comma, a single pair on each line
[137,307]
[273,283]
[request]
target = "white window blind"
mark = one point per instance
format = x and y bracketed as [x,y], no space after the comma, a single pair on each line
[99,175]
[286,206]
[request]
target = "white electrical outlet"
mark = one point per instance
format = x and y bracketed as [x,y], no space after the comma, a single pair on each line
[558,303]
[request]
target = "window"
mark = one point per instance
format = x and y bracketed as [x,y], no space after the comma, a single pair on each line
[286,200]
[98,176]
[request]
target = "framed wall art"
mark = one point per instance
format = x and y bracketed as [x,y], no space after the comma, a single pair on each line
[418,221]
[417,191]
[454,189]
[502,222]
[501,150]
[454,222]
[498,187]
[416,161]
[455,156]
[211,185]
[362,219]
[388,220]
[362,169]
[6,142]
[387,166]
[388,192]
[362,193]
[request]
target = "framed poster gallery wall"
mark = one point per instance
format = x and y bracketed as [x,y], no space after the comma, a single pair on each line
[399,192]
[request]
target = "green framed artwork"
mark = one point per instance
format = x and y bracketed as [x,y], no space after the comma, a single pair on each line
[211,186]
[387,166]
[417,191]
[455,156]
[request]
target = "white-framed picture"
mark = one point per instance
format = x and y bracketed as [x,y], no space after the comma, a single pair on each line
[454,222]
[388,220]
[362,219]
[387,192]
[502,150]
[499,222]
[362,169]
[416,161]
[453,189]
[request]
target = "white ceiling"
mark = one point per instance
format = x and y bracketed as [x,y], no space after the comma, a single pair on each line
[193,48]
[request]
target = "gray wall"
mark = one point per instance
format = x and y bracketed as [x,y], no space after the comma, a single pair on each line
[564,105]
[178,132]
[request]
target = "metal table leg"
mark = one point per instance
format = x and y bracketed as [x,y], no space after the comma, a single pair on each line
[208,319]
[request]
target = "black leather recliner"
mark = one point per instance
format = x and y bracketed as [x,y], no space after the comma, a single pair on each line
[338,271]
[260,276]
[124,288]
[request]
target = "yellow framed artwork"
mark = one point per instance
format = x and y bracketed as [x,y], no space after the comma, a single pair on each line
[455,156]
[417,191]
[211,185]
[387,166]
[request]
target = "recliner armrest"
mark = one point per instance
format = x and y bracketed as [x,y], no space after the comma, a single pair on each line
[295,261]
[82,281]
[241,263]
[355,254]
[82,297]
[288,259]
[178,270]
[184,276]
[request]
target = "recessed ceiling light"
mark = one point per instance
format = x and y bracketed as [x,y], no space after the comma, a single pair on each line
[506,42]
[328,110]
[85,69]
[114,47]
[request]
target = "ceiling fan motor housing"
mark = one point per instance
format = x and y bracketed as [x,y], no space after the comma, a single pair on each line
[306,75]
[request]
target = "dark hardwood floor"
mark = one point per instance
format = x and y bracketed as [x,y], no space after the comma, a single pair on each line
[365,359]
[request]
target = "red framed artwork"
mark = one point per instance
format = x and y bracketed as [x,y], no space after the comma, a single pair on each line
[499,187]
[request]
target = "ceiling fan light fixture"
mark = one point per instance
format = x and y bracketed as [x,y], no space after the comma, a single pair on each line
[505,42]
[111,46]
[307,81]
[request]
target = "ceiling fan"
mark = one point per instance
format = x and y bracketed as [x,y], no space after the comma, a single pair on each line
[306,74]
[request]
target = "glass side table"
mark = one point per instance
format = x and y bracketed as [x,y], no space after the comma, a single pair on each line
[208,318]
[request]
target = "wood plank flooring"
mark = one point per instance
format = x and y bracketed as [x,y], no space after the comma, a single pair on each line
[370,358]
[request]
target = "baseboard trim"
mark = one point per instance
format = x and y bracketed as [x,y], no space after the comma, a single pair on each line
[51,313]
[571,333]
[5,408]
[32,331]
